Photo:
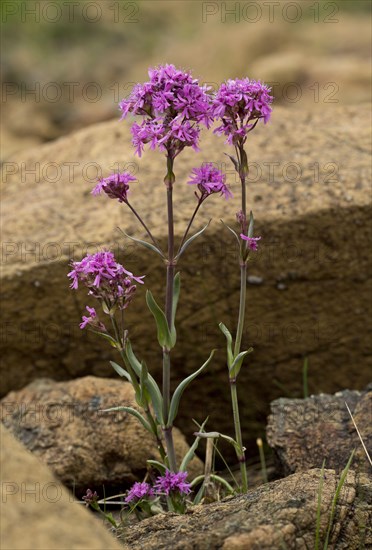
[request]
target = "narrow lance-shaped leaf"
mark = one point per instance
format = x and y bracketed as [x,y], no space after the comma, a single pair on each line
[121,372]
[144,377]
[151,385]
[158,465]
[133,412]
[191,452]
[231,231]
[173,409]
[110,339]
[187,243]
[217,435]
[251,225]
[227,333]
[176,295]
[237,363]
[143,243]
[234,161]
[164,337]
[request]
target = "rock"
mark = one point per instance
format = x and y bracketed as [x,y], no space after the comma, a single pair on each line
[303,164]
[281,514]
[304,432]
[61,423]
[38,513]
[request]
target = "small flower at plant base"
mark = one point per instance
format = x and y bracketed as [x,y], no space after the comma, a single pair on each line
[116,186]
[252,241]
[92,320]
[90,497]
[106,279]
[173,105]
[209,180]
[240,104]
[139,491]
[172,482]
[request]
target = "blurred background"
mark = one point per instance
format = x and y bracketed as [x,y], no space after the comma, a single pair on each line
[67,64]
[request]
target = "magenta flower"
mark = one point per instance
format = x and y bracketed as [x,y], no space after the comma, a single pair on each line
[173,482]
[173,105]
[116,186]
[240,104]
[106,279]
[139,491]
[252,241]
[92,320]
[209,180]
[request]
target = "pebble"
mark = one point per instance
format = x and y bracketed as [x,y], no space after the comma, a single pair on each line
[254,280]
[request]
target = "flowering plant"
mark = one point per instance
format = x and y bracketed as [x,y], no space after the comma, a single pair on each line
[173,105]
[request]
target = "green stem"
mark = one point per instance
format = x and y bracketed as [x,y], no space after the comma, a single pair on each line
[144,226]
[153,425]
[169,181]
[243,170]
[238,435]
[241,318]
[189,225]
[136,387]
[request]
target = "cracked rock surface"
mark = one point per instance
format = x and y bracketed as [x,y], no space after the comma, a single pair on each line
[309,190]
[281,514]
[304,432]
[62,423]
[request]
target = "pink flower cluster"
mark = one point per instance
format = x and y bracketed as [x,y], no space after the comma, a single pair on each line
[139,491]
[173,104]
[240,104]
[169,483]
[106,279]
[116,186]
[173,482]
[210,180]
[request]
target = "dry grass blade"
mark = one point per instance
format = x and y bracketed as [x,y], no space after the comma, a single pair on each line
[358,432]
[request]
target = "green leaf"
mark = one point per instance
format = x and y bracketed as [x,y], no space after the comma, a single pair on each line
[151,385]
[199,495]
[144,394]
[234,161]
[157,465]
[232,231]
[176,295]
[133,412]
[143,243]
[191,452]
[121,372]
[251,225]
[237,363]
[110,339]
[189,241]
[217,435]
[164,337]
[227,333]
[173,409]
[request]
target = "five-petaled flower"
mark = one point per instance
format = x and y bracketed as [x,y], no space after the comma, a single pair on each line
[173,105]
[210,180]
[116,186]
[172,482]
[139,491]
[239,104]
